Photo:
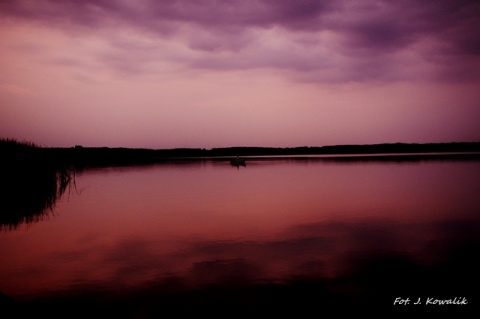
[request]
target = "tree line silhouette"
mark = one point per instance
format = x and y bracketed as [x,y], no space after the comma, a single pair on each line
[33,177]
[95,156]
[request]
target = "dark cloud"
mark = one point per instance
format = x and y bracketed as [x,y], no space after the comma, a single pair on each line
[367,40]
[151,14]
[373,24]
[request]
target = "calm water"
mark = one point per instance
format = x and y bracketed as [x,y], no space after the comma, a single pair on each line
[309,231]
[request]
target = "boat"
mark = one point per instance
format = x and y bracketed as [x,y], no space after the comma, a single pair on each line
[238,162]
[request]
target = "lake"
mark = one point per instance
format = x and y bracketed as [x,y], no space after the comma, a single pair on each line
[278,234]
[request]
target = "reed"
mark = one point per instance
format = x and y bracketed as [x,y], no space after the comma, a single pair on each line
[31,182]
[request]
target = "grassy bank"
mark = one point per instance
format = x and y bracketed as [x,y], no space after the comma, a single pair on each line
[31,182]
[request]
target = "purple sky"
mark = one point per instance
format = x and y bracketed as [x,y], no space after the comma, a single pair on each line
[206,73]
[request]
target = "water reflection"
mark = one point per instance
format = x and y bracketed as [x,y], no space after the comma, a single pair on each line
[281,235]
[326,266]
[30,191]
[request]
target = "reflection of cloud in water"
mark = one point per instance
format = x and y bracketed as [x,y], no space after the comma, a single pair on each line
[366,253]
[343,248]
[337,264]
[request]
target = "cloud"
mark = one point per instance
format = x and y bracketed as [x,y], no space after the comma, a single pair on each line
[318,40]
[317,251]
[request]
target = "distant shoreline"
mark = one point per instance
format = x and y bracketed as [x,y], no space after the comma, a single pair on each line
[91,153]
[386,148]
[80,156]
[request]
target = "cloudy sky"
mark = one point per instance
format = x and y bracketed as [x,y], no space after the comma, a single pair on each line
[211,73]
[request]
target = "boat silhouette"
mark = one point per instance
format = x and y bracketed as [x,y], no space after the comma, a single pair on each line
[238,162]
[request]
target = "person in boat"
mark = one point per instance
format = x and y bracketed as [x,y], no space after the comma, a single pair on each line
[237,161]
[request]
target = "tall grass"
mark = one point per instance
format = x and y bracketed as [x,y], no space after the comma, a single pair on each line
[30,183]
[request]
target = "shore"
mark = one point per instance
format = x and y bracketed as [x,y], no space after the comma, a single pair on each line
[80,156]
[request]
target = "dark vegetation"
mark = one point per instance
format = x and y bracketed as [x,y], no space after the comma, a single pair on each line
[33,177]
[31,182]
[80,157]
